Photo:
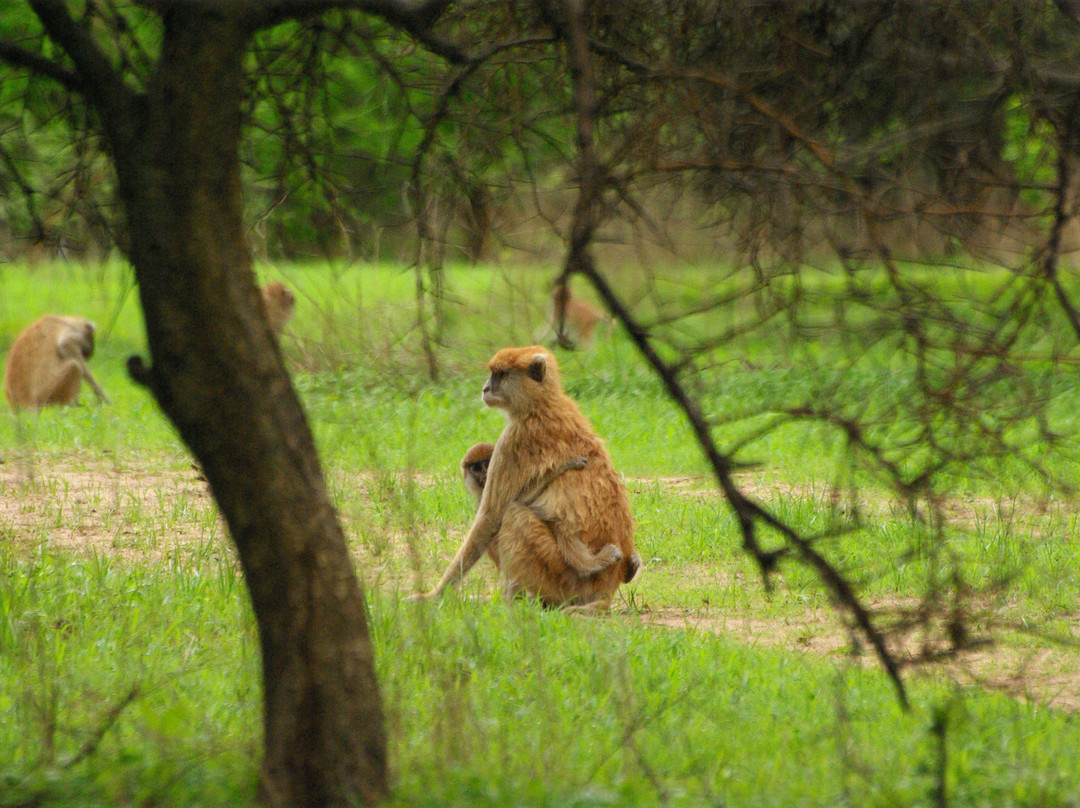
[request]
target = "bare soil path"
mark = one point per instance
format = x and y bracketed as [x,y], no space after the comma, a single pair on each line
[143,513]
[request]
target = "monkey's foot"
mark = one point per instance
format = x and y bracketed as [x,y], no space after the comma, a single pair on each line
[608,555]
[601,605]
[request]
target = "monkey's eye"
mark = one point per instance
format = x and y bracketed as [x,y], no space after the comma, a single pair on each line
[497,376]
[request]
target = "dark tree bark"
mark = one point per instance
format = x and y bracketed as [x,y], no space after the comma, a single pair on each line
[218,375]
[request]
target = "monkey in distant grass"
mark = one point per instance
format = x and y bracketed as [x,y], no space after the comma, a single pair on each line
[544,431]
[279,302]
[474,468]
[47,363]
[579,319]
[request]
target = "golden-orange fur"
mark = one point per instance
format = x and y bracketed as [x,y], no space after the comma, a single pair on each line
[474,466]
[279,302]
[590,507]
[47,363]
[579,318]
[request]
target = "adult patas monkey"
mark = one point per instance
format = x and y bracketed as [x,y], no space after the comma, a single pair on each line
[579,319]
[544,431]
[47,363]
[279,302]
[474,468]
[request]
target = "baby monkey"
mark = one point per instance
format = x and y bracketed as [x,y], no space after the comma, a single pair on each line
[474,467]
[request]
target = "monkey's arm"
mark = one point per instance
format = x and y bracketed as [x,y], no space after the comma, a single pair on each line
[485,528]
[494,501]
[73,350]
[104,399]
[481,534]
[574,551]
[486,525]
[538,487]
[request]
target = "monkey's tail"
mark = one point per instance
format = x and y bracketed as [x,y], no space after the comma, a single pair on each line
[633,564]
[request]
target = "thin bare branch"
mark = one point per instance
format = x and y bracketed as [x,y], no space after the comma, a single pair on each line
[416,19]
[18,56]
[102,86]
[579,261]
[112,715]
[1062,216]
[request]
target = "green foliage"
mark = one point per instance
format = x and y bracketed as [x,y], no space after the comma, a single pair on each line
[330,137]
[156,659]
[911,103]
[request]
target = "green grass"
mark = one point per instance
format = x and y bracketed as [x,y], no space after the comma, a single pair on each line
[485,706]
[122,612]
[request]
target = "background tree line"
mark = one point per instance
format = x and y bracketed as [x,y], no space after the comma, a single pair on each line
[948,114]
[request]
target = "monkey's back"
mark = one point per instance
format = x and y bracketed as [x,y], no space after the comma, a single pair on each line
[31,374]
[595,506]
[19,371]
[279,302]
[591,503]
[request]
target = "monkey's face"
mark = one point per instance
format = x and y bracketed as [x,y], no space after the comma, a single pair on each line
[86,346]
[518,387]
[475,474]
[494,392]
[474,467]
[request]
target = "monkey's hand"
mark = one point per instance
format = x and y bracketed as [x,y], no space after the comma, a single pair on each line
[532,493]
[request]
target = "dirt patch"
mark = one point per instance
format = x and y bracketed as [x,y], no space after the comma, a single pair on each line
[1048,675]
[127,511]
[963,512]
[144,512]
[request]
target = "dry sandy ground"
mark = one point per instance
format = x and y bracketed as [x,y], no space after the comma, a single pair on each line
[145,513]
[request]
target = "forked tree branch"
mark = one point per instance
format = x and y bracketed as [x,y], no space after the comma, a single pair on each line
[101,84]
[415,19]
[1062,216]
[18,56]
[571,27]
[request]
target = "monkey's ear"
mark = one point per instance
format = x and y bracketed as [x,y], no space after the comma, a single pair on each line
[538,367]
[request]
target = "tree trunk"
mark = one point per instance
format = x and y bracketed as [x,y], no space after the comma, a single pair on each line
[218,375]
